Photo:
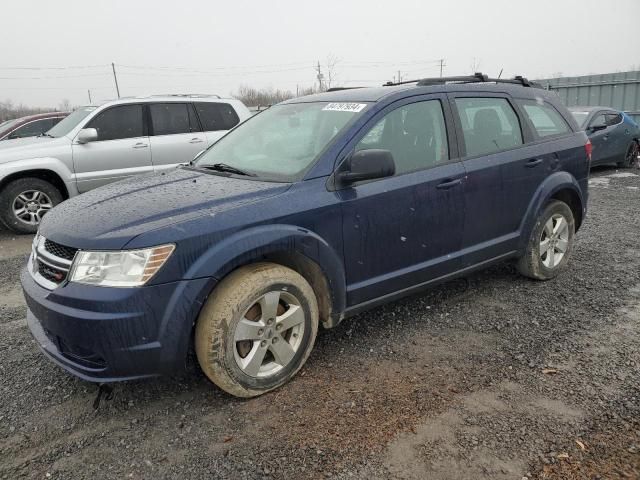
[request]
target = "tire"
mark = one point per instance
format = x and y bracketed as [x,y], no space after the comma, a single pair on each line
[537,262]
[243,350]
[32,194]
[631,157]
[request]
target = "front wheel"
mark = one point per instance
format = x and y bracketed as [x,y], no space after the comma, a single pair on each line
[550,244]
[23,203]
[631,157]
[257,329]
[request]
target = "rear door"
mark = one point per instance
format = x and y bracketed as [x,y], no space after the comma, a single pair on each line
[122,148]
[217,118]
[403,230]
[619,137]
[175,133]
[502,173]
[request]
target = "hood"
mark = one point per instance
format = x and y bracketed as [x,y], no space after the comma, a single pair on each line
[109,217]
[31,147]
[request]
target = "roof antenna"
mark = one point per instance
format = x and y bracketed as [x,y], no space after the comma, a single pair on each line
[500,75]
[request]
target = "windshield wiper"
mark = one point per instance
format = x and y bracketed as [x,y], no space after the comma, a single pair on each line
[223,167]
[46,135]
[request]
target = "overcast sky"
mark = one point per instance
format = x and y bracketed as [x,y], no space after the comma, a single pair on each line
[214,46]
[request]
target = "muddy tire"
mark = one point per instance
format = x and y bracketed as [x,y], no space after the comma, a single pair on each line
[24,201]
[549,247]
[256,329]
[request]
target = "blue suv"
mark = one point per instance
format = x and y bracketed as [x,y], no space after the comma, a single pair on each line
[310,212]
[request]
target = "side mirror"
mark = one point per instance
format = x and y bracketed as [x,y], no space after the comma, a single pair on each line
[366,165]
[87,135]
[597,127]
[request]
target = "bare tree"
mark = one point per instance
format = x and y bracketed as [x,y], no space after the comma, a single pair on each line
[253,97]
[331,76]
[65,105]
[475,65]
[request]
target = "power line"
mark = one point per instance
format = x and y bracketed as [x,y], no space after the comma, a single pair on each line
[76,67]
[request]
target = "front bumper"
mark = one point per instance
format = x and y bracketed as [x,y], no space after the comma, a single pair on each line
[103,334]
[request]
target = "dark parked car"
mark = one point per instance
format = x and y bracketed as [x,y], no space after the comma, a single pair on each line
[317,209]
[614,135]
[30,126]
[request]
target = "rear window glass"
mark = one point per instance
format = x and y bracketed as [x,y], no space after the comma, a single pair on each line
[546,120]
[217,116]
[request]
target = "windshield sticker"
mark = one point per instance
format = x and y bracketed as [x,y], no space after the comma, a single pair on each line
[345,107]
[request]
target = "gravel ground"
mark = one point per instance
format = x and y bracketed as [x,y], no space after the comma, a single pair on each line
[491,376]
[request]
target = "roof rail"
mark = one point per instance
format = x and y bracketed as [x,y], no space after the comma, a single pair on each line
[477,77]
[191,95]
[337,89]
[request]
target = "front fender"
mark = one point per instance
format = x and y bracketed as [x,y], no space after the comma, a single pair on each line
[255,243]
[547,189]
[51,164]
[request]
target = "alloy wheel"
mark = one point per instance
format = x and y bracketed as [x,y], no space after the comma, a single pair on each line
[31,205]
[269,334]
[554,241]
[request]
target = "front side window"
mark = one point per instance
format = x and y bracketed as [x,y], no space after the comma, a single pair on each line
[33,129]
[280,143]
[580,117]
[172,118]
[124,121]
[415,134]
[598,120]
[489,125]
[217,116]
[545,119]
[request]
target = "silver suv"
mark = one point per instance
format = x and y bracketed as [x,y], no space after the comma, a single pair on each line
[96,145]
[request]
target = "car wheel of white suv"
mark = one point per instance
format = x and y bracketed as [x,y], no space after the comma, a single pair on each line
[23,203]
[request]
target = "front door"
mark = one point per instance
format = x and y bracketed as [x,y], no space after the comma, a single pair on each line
[404,230]
[122,148]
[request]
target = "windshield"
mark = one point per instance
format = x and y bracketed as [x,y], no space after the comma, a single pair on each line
[282,142]
[8,124]
[581,118]
[70,122]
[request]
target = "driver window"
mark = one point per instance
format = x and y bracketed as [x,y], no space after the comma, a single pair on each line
[415,134]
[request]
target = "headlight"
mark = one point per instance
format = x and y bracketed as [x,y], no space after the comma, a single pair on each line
[128,268]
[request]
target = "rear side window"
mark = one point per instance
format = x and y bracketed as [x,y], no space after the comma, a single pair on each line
[415,134]
[120,122]
[217,116]
[612,119]
[546,120]
[173,118]
[489,125]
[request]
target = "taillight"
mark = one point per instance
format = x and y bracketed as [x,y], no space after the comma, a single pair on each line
[588,148]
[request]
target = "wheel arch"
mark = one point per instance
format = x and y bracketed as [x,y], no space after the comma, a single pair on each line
[293,247]
[42,173]
[559,186]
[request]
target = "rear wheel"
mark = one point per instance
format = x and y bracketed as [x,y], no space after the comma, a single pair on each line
[631,157]
[550,244]
[257,329]
[23,203]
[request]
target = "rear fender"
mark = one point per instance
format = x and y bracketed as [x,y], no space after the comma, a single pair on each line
[552,185]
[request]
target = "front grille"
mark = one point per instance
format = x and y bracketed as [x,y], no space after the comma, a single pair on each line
[58,250]
[50,273]
[50,262]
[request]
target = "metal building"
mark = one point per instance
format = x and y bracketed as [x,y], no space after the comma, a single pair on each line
[616,90]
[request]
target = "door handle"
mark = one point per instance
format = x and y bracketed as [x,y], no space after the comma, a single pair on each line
[196,140]
[534,162]
[449,184]
[140,145]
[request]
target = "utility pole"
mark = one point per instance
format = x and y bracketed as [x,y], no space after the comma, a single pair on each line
[89,92]
[442,64]
[320,78]
[115,78]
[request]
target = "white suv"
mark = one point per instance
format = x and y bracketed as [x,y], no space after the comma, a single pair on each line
[96,145]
